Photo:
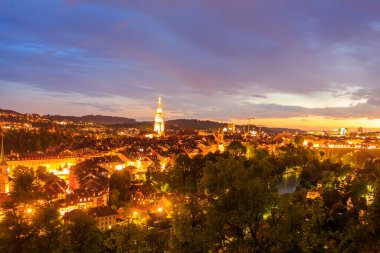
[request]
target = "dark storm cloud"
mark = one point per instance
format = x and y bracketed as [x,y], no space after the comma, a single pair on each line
[200,49]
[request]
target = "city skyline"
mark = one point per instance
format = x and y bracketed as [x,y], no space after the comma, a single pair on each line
[292,64]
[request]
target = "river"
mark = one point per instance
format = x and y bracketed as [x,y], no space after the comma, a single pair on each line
[288,183]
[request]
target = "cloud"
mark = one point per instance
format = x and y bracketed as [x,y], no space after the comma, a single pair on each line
[205,56]
[102,107]
[258,96]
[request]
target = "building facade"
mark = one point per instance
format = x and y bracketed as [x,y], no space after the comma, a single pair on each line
[4,182]
[104,216]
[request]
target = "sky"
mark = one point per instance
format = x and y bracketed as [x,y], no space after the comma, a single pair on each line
[291,63]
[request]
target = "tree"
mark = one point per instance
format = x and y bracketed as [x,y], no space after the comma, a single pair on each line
[26,187]
[120,180]
[236,148]
[82,234]
[46,229]
[311,174]
[128,237]
[250,149]
[157,179]
[374,213]
[188,225]
[114,199]
[296,156]
[30,223]
[314,235]
[363,235]
[284,231]
[14,232]
[240,201]
[186,173]
[298,140]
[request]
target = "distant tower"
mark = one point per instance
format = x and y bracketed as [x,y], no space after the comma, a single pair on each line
[159,120]
[4,185]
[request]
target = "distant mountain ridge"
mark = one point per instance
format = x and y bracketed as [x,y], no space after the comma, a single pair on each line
[98,119]
[13,116]
[120,122]
[193,124]
[8,111]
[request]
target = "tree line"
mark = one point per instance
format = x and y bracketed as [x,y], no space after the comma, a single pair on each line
[225,202]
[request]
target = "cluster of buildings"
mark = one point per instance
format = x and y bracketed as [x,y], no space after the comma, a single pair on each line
[342,142]
[80,180]
[339,132]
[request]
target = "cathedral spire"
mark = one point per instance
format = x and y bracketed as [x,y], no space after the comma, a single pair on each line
[2,156]
[159,119]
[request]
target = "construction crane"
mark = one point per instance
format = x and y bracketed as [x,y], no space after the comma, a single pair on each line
[249,124]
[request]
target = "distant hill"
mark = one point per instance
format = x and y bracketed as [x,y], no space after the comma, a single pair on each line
[8,111]
[276,130]
[177,124]
[269,130]
[194,124]
[98,119]
[116,122]
[12,116]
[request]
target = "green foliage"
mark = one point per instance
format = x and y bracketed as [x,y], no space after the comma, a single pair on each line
[374,213]
[296,156]
[114,197]
[46,230]
[298,140]
[250,149]
[186,173]
[188,227]
[284,231]
[357,158]
[240,201]
[82,234]
[236,148]
[29,222]
[26,186]
[120,181]
[157,180]
[327,172]
[243,211]
[29,141]
[128,237]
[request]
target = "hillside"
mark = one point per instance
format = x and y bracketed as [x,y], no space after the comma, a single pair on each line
[194,124]
[98,119]
[177,124]
[118,122]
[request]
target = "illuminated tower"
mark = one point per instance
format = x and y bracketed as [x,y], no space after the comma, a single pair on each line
[159,120]
[4,186]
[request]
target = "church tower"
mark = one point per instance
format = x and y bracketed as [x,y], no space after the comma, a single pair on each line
[159,120]
[4,184]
